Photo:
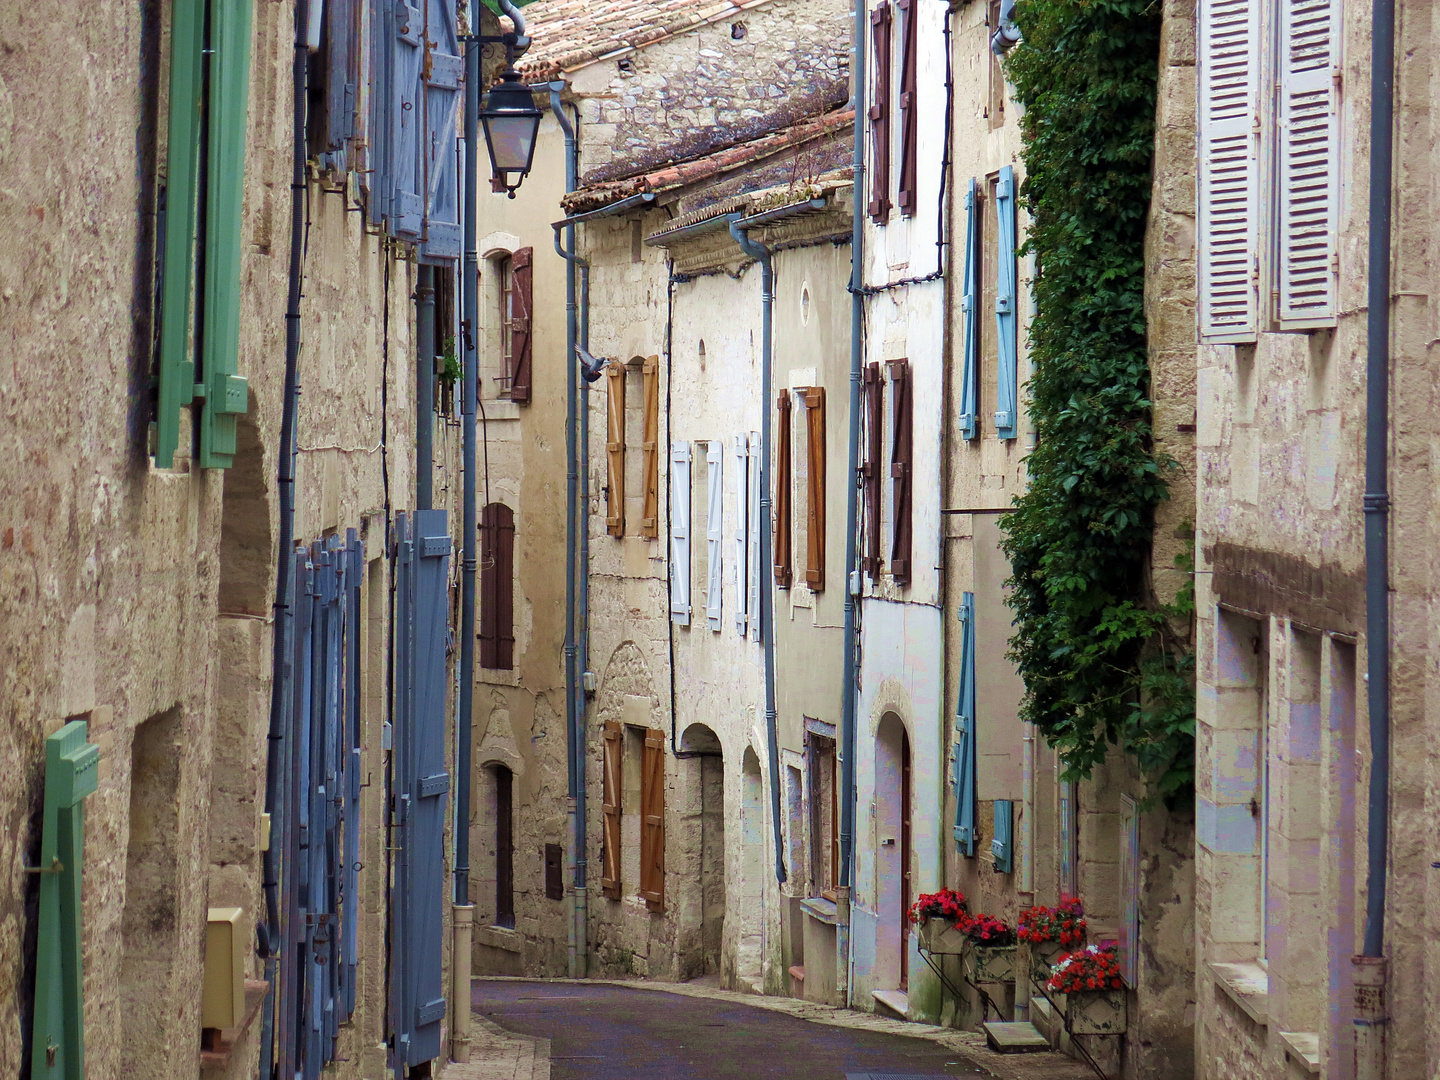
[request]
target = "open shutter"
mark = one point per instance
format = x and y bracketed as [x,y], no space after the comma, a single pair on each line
[1007,403]
[406,120]
[756,571]
[900,472]
[650,521]
[880,40]
[780,493]
[970,319]
[742,534]
[680,533]
[1309,157]
[815,483]
[342,60]
[497,587]
[965,755]
[714,533]
[652,822]
[1002,846]
[909,111]
[522,307]
[615,449]
[610,810]
[444,74]
[1229,174]
[1127,950]
[378,103]
[354,574]
[874,398]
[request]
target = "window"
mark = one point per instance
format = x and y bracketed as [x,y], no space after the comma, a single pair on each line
[881,40]
[781,492]
[504,848]
[995,83]
[497,587]
[900,471]
[615,448]
[633,809]
[824,811]
[554,872]
[814,400]
[517,279]
[652,820]
[610,809]
[873,415]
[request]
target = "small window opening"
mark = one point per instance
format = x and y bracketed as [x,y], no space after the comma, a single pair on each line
[737,31]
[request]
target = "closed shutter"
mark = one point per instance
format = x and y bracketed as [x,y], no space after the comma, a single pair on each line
[650,522]
[522,308]
[610,810]
[815,483]
[1007,403]
[909,110]
[1002,847]
[354,574]
[497,587]
[970,319]
[680,533]
[1229,175]
[652,822]
[377,104]
[874,392]
[714,533]
[1127,948]
[406,120]
[880,40]
[900,472]
[742,534]
[756,571]
[781,491]
[444,72]
[615,449]
[342,56]
[1309,158]
[965,753]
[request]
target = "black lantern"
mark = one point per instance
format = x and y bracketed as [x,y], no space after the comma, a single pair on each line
[511,123]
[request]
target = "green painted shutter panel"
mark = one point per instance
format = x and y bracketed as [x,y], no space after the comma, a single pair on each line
[970,315]
[965,750]
[1002,850]
[1008,404]
[71,773]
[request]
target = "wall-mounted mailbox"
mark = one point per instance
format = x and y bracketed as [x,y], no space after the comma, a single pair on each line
[223,1004]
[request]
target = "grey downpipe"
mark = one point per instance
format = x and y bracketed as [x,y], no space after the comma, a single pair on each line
[425,388]
[761,253]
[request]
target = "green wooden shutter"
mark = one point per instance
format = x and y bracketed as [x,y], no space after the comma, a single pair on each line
[1008,405]
[965,755]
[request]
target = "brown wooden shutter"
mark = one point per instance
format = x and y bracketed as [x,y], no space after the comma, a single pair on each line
[610,811]
[615,449]
[522,306]
[781,494]
[652,823]
[874,389]
[650,523]
[881,29]
[497,587]
[909,114]
[815,488]
[900,472]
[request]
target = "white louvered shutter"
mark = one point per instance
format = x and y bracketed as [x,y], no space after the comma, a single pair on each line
[1229,188]
[756,525]
[742,533]
[680,533]
[1308,155]
[714,533]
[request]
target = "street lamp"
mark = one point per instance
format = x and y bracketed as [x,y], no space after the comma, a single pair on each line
[511,123]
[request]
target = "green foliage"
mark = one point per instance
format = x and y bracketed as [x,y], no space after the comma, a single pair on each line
[449,363]
[1101,659]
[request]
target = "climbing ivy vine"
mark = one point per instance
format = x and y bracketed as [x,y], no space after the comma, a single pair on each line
[1103,661]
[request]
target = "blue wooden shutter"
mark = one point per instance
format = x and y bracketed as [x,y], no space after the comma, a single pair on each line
[378,103]
[680,533]
[970,315]
[342,56]
[350,889]
[444,76]
[406,120]
[965,753]
[1007,403]
[1002,850]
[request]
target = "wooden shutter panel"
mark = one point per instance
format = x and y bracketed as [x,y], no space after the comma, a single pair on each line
[652,823]
[742,534]
[781,491]
[610,810]
[650,522]
[680,533]
[965,755]
[880,39]
[909,111]
[1229,175]
[970,318]
[1002,847]
[522,308]
[815,484]
[406,120]
[900,472]
[1007,404]
[444,75]
[1309,157]
[714,533]
[874,397]
[756,571]
[497,587]
[342,21]
[615,449]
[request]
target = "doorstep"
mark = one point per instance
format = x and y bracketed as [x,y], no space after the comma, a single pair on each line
[892,1003]
[1018,1038]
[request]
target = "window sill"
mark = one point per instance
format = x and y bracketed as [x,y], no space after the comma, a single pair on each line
[820,909]
[1304,1048]
[501,409]
[1248,985]
[216,1045]
[499,937]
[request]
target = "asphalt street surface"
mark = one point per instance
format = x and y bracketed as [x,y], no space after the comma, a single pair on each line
[605,1032]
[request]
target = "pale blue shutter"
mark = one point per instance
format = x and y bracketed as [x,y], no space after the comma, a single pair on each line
[444,76]
[342,57]
[407,120]
[350,894]
[680,533]
[964,763]
[375,175]
[1002,850]
[970,322]
[742,534]
[714,535]
[1007,403]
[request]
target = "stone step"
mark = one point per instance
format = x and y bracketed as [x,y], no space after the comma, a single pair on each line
[892,1003]
[1009,1038]
[1046,1020]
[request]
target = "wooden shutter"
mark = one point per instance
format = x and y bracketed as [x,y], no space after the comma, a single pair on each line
[1007,403]
[742,534]
[342,56]
[714,533]
[1309,159]
[874,394]
[680,533]
[652,822]
[406,120]
[1229,175]
[815,484]
[1127,948]
[970,318]
[497,587]
[781,493]
[965,755]
[1002,846]
[880,40]
[900,472]
[444,74]
[756,571]
[909,112]
[650,522]
[610,810]
[522,307]
[615,448]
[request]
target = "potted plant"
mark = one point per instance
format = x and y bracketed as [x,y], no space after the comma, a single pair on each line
[1094,991]
[938,915]
[1051,932]
[990,949]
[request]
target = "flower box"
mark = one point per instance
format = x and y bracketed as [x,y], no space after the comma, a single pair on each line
[942,937]
[1095,1012]
[990,964]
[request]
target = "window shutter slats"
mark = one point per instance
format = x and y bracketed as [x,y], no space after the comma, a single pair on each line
[1007,382]
[874,403]
[1229,175]
[342,57]
[444,75]
[497,587]
[756,571]
[900,472]
[881,30]
[650,522]
[615,449]
[610,810]
[815,484]
[781,491]
[742,534]
[714,533]
[652,822]
[970,319]
[680,533]
[406,120]
[909,110]
[965,753]
[522,301]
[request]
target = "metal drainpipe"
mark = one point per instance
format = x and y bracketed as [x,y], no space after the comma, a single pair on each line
[1370,968]
[425,388]
[767,621]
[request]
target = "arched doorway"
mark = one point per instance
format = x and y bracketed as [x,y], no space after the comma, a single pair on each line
[892,851]
[705,783]
[749,944]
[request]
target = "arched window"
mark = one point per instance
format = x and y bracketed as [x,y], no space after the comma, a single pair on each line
[504,847]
